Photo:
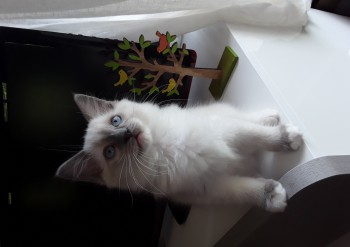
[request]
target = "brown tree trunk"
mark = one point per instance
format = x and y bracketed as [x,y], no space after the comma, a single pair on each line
[200,72]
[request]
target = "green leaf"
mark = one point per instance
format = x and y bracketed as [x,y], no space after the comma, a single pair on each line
[136,90]
[166,51]
[131,80]
[175,91]
[123,46]
[172,38]
[112,64]
[126,41]
[116,55]
[185,52]
[134,57]
[174,48]
[168,36]
[153,89]
[149,76]
[146,44]
[141,39]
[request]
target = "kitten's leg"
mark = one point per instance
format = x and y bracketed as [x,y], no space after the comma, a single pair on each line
[268,117]
[266,193]
[250,137]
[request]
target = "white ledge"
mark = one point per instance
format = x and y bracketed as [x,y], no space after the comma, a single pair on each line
[305,74]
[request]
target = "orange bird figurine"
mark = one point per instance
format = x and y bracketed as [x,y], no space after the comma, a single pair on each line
[163,42]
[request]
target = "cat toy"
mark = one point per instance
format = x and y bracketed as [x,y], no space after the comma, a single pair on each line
[143,74]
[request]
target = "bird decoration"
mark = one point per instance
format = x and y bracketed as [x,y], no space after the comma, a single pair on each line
[171,86]
[123,77]
[163,42]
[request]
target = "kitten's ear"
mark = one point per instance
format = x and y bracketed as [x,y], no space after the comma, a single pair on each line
[81,167]
[91,106]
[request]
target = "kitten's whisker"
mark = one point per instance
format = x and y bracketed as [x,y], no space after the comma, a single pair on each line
[151,160]
[121,171]
[81,168]
[127,183]
[151,172]
[67,145]
[133,87]
[146,156]
[159,191]
[131,171]
[173,100]
[144,99]
[78,170]
[155,172]
[63,148]
[138,184]
[155,95]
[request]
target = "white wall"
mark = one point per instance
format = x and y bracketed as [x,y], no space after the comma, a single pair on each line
[18,6]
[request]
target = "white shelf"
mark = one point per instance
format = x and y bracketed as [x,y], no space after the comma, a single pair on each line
[308,75]
[305,74]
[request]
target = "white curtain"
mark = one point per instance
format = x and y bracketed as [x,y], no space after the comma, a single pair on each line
[130,18]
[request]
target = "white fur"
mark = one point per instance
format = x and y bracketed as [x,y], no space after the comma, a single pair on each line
[202,154]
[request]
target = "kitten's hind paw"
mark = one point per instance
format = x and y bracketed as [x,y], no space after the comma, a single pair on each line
[275,197]
[269,117]
[294,137]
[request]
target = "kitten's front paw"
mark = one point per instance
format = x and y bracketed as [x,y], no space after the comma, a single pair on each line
[270,117]
[275,197]
[294,137]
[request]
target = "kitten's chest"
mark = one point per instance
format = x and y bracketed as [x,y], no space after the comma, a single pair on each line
[190,133]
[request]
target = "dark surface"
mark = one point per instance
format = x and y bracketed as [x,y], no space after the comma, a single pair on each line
[339,7]
[315,216]
[42,70]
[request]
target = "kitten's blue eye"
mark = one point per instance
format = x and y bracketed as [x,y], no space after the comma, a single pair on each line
[109,152]
[116,121]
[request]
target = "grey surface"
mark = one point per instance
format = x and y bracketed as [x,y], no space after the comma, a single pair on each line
[316,207]
[313,171]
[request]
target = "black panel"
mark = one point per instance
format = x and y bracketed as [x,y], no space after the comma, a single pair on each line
[41,71]
[339,7]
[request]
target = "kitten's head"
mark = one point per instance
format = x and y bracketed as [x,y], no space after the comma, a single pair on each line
[117,133]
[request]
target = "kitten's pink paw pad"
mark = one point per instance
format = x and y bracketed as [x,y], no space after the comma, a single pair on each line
[270,117]
[295,138]
[276,197]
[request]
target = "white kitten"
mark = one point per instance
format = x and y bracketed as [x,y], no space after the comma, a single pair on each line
[194,155]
